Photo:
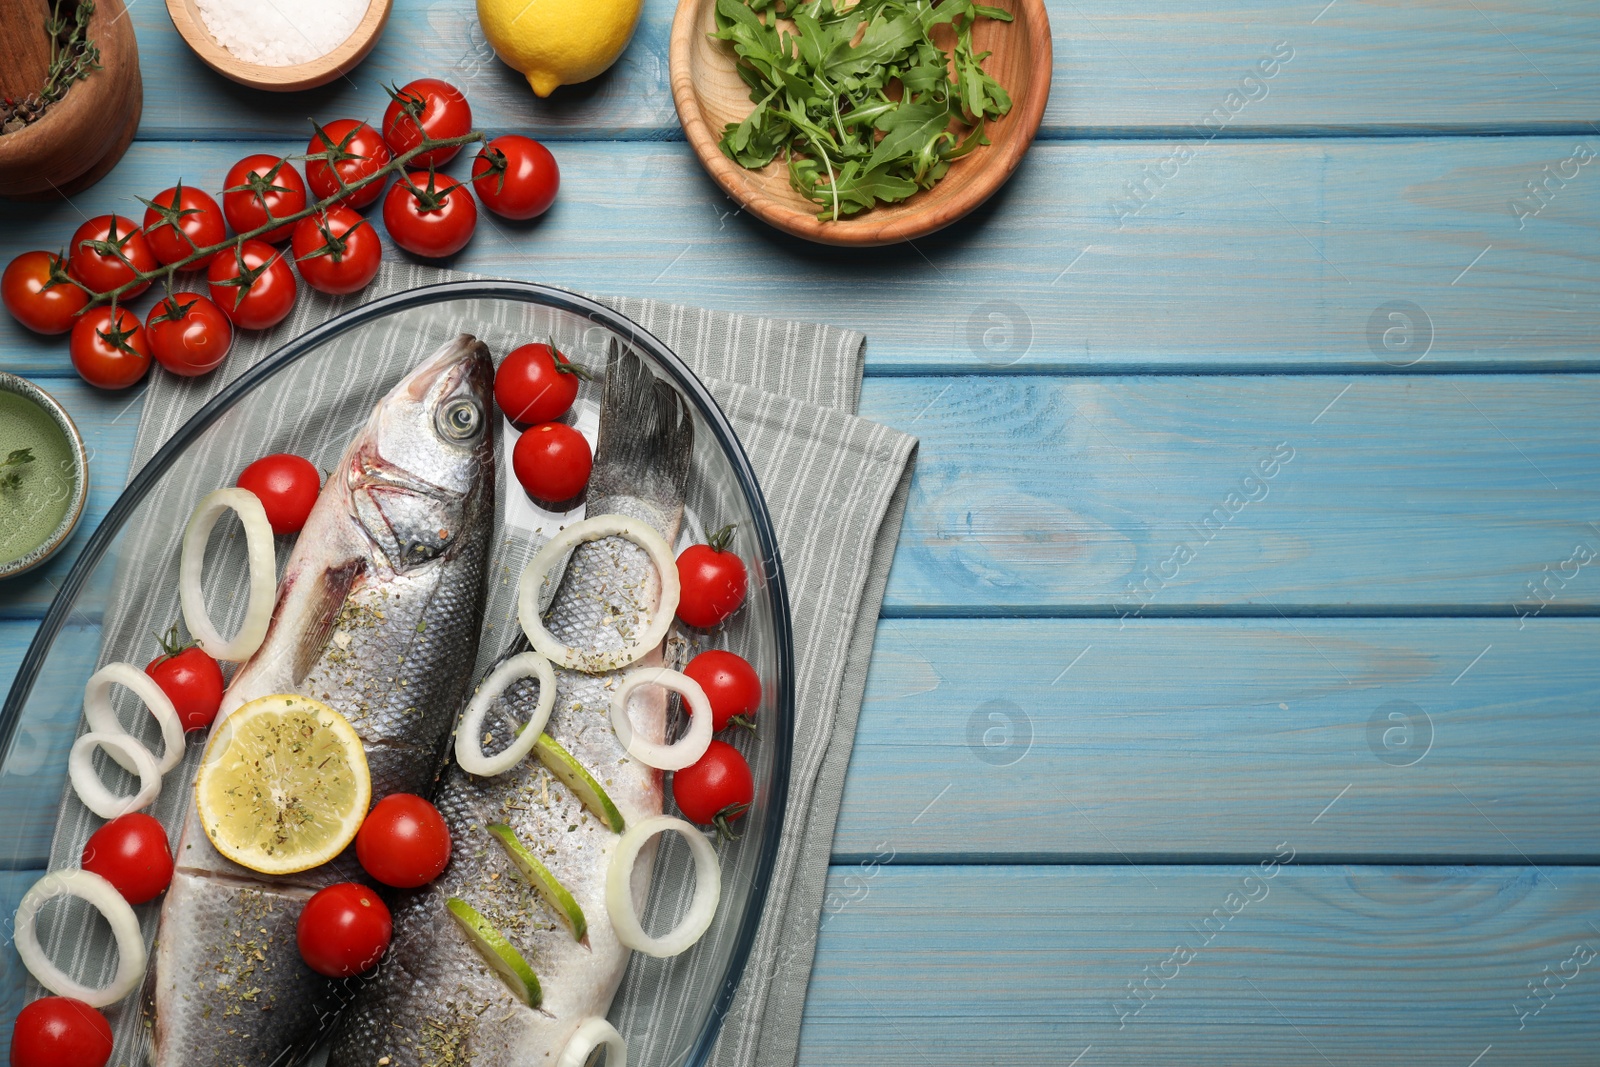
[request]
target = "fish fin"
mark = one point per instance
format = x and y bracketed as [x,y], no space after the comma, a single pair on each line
[646,434]
[329,597]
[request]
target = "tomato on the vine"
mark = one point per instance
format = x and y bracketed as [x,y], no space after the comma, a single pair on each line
[429,107]
[516,177]
[260,184]
[350,150]
[287,486]
[404,841]
[180,221]
[732,686]
[715,789]
[337,250]
[253,285]
[39,293]
[430,215]
[552,461]
[109,349]
[188,334]
[344,930]
[60,1032]
[105,252]
[191,679]
[131,852]
[536,383]
[713,581]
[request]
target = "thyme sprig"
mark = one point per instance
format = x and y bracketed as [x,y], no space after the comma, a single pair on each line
[73,57]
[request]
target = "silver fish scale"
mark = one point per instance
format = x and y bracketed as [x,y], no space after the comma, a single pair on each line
[398,652]
[435,1000]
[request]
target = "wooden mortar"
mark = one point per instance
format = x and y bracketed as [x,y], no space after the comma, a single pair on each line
[82,135]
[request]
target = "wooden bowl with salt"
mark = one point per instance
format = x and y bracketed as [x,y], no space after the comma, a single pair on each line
[709,94]
[340,60]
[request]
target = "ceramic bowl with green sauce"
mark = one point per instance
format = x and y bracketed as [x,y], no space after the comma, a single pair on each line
[44,475]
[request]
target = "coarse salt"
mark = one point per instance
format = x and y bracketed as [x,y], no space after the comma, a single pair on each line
[281,33]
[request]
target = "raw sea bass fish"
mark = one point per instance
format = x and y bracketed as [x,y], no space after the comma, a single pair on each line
[434,1000]
[378,615]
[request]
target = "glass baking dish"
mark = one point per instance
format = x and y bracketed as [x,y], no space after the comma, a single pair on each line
[669,1010]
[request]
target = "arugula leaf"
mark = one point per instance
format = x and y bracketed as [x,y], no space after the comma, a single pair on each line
[861,102]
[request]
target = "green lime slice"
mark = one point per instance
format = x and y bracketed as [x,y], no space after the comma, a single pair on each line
[580,781]
[497,952]
[539,876]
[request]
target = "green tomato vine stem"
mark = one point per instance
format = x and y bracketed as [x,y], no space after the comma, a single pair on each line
[166,271]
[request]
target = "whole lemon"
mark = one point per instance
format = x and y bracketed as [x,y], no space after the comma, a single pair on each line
[558,42]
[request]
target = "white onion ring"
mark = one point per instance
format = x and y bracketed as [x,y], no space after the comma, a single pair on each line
[103,897]
[263,573]
[590,1035]
[682,752]
[593,529]
[93,792]
[102,719]
[469,746]
[619,889]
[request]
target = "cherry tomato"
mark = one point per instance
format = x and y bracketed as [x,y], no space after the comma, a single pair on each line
[39,294]
[713,581]
[287,486]
[337,251]
[259,184]
[344,930]
[732,686]
[552,461]
[188,334]
[60,1032]
[191,679]
[516,177]
[254,285]
[109,350]
[536,383]
[131,853]
[180,221]
[404,841]
[106,250]
[715,789]
[426,106]
[430,215]
[351,150]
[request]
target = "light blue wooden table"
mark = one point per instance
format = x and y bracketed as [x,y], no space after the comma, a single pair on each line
[1178,761]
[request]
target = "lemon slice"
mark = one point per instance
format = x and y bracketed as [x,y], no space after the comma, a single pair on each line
[284,785]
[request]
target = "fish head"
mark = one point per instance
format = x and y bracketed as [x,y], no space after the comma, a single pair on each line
[424,467]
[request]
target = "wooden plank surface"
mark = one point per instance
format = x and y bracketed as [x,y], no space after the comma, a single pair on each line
[1145,496]
[1083,741]
[1350,966]
[1255,256]
[1125,496]
[1424,740]
[1361,64]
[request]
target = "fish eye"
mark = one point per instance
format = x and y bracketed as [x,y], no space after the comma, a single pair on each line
[460,420]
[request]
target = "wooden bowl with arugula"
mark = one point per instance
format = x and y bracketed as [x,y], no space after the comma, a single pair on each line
[867,124]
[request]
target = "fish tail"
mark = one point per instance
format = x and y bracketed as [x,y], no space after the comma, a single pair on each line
[646,434]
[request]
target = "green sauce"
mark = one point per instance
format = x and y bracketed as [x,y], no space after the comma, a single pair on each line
[31,511]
